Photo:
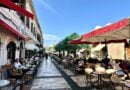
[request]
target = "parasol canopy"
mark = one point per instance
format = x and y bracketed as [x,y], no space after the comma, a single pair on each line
[113,33]
[78,41]
[116,32]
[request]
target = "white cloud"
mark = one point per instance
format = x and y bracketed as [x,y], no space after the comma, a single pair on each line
[50,39]
[97,27]
[49,7]
[108,24]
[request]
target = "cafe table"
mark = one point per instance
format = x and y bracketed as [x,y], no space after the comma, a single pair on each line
[100,72]
[3,83]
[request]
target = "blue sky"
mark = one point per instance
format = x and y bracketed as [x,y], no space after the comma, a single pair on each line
[60,18]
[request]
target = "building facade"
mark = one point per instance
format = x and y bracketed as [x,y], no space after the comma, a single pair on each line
[17,29]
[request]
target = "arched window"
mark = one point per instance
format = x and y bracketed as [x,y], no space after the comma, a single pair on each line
[11,48]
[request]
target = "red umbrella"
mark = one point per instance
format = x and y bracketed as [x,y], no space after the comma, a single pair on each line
[115,32]
[78,41]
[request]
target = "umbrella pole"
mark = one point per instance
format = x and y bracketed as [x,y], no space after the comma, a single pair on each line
[106,53]
[124,52]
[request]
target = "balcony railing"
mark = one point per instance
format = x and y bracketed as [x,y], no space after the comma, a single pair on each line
[7,17]
[29,34]
[13,20]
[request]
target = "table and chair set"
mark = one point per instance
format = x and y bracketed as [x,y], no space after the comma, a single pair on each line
[105,79]
[3,82]
[99,77]
[14,78]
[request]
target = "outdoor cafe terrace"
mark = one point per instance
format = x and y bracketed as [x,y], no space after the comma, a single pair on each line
[80,74]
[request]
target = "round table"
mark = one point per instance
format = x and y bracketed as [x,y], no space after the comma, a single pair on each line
[3,83]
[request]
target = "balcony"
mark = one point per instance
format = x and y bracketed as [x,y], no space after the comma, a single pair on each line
[11,18]
[31,38]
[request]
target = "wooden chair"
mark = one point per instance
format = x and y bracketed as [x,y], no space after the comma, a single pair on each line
[11,74]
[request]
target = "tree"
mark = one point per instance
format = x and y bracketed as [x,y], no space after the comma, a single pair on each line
[64,46]
[70,48]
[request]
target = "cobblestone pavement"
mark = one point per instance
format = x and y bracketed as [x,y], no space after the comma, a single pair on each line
[49,78]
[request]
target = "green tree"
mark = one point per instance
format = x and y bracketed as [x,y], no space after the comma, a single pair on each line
[70,48]
[64,46]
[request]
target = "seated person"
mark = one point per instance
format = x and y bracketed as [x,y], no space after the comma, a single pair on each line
[92,60]
[105,62]
[124,65]
[84,59]
[80,63]
[28,62]
[117,68]
[120,72]
[18,65]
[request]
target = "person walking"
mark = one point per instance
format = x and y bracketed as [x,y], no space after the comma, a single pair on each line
[46,56]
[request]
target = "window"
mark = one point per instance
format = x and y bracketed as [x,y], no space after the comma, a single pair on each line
[27,22]
[31,27]
[22,5]
[38,38]
[22,18]
[34,31]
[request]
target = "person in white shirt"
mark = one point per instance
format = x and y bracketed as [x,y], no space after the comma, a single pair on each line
[117,68]
[17,64]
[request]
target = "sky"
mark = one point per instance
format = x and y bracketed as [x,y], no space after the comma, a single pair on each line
[60,18]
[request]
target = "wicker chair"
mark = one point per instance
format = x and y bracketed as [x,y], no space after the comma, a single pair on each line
[117,81]
[90,77]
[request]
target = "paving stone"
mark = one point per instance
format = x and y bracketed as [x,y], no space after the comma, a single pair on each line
[80,80]
[47,69]
[49,78]
[50,83]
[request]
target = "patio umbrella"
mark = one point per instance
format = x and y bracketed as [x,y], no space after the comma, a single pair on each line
[116,32]
[113,33]
[78,41]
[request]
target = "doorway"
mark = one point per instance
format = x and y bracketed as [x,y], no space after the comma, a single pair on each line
[11,48]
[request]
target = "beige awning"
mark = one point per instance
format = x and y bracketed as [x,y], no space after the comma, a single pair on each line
[116,50]
[31,47]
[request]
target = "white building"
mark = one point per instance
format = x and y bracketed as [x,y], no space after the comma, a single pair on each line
[17,29]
